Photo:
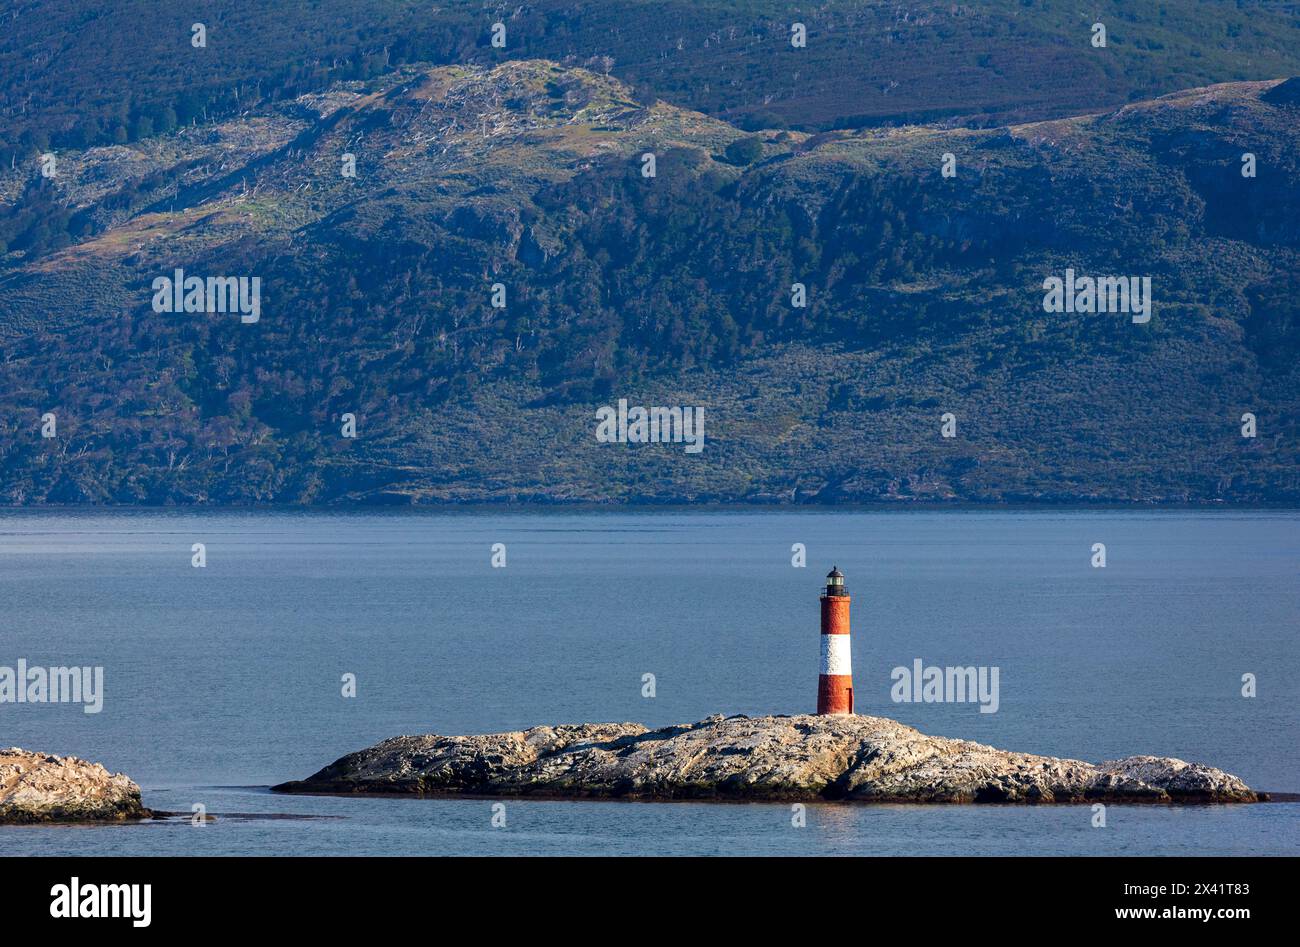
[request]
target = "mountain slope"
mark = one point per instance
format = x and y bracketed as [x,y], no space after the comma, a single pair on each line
[74,74]
[925,297]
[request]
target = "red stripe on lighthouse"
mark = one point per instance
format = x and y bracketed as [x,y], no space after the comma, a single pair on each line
[835,682]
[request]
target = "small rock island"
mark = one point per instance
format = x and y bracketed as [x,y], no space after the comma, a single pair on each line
[781,758]
[38,787]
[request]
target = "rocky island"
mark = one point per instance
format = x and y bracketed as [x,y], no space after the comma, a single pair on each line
[38,787]
[780,758]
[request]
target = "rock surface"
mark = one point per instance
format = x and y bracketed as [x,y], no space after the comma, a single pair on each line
[37,787]
[868,759]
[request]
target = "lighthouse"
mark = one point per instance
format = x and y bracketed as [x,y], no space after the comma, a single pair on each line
[835,684]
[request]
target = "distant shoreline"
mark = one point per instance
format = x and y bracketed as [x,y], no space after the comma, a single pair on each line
[534,506]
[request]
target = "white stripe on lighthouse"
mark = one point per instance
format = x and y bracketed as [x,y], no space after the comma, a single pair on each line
[835,655]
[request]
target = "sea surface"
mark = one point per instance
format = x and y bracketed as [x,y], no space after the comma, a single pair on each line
[221,681]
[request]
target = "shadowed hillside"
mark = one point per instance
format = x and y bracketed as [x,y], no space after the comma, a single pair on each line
[74,74]
[924,297]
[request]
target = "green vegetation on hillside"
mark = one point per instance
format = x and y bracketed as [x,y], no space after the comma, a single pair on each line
[924,297]
[74,74]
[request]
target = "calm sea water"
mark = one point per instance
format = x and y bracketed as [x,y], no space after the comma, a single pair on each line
[224,680]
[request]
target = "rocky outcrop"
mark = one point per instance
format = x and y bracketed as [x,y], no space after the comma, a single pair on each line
[37,787]
[866,759]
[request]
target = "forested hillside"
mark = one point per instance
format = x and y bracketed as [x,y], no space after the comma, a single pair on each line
[526,180]
[75,74]
[462,250]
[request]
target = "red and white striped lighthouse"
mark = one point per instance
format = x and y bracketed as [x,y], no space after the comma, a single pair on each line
[835,684]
